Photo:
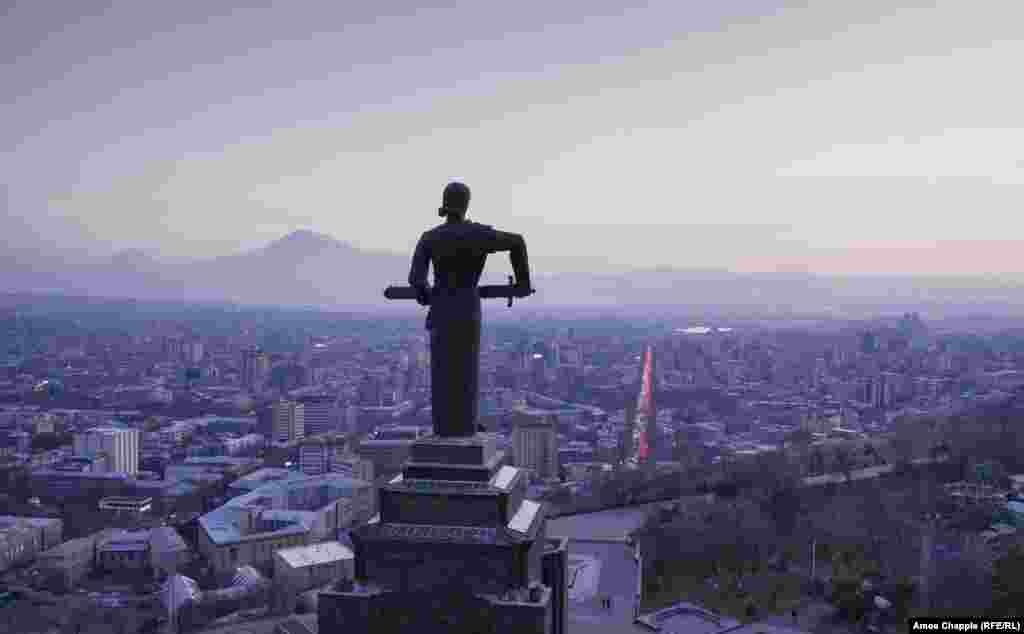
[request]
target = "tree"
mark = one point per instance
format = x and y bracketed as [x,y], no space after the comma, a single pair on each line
[817,465]
[961,587]
[1008,583]
[726,490]
[848,598]
[844,462]
[778,491]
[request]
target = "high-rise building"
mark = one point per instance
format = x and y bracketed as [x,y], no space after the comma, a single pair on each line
[320,414]
[352,466]
[173,348]
[399,380]
[645,427]
[315,458]
[119,447]
[351,423]
[246,367]
[538,370]
[627,441]
[255,368]
[192,352]
[371,392]
[535,442]
[289,421]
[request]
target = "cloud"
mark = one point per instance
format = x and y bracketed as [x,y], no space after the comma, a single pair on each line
[989,155]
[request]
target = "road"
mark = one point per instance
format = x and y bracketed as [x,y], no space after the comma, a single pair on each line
[597,571]
[612,524]
[257,626]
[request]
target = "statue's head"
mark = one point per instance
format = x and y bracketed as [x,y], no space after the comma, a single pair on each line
[454,200]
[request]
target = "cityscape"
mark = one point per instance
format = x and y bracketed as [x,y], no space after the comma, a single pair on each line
[135,435]
[721,329]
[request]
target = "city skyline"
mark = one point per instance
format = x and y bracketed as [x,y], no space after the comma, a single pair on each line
[751,136]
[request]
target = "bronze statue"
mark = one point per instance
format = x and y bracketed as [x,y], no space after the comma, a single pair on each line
[458,249]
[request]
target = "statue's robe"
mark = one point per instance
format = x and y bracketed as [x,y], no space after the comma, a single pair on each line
[458,250]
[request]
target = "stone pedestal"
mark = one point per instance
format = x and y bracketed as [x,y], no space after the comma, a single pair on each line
[472,450]
[456,548]
[472,459]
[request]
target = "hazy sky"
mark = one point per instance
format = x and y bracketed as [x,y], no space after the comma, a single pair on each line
[826,136]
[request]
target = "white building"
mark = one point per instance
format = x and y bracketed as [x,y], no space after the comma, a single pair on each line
[248,442]
[177,432]
[122,550]
[535,442]
[192,352]
[119,445]
[353,467]
[315,458]
[297,512]
[168,551]
[22,538]
[306,567]
[289,419]
[351,422]
[320,415]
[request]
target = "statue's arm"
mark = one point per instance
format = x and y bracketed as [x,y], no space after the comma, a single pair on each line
[419,268]
[516,246]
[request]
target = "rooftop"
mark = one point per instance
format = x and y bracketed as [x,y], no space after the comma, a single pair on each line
[503,478]
[265,476]
[286,506]
[524,518]
[218,460]
[166,538]
[127,499]
[38,522]
[325,552]
[124,536]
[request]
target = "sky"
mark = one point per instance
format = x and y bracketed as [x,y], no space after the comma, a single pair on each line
[827,136]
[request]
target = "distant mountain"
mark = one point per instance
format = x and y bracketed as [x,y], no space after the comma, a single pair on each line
[305,268]
[302,268]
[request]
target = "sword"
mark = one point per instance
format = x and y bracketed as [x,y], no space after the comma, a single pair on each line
[486,292]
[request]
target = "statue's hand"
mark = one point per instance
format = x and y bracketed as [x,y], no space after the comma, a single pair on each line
[423,296]
[523,290]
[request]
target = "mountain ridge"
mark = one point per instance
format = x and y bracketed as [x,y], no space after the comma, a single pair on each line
[307,268]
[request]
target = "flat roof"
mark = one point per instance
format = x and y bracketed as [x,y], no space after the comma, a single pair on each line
[39,522]
[167,538]
[266,475]
[524,517]
[127,499]
[314,554]
[225,460]
[503,479]
[223,525]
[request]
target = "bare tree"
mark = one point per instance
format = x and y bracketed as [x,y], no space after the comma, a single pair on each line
[844,462]
[961,587]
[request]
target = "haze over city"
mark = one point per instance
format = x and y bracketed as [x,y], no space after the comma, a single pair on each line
[829,137]
[729,342]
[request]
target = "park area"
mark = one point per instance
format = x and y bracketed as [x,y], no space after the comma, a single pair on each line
[745,599]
